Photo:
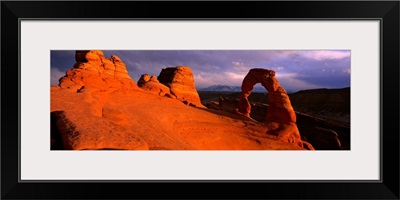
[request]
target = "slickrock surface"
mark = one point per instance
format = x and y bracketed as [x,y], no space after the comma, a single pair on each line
[139,120]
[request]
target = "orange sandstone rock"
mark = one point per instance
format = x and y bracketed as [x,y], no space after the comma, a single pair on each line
[144,78]
[180,80]
[285,132]
[280,109]
[93,70]
[280,117]
[152,85]
[97,106]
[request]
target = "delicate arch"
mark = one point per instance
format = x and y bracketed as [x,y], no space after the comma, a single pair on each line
[280,109]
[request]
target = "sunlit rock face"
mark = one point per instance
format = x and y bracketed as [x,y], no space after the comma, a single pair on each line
[97,106]
[93,70]
[151,84]
[180,80]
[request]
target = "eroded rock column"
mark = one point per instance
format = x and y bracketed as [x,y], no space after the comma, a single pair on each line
[180,80]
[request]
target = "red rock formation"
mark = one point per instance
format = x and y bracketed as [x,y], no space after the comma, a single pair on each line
[94,108]
[93,70]
[152,85]
[280,109]
[280,115]
[144,78]
[285,132]
[181,82]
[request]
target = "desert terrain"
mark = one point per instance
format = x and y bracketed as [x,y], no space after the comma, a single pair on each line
[98,106]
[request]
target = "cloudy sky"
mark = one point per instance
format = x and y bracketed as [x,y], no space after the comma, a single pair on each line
[295,69]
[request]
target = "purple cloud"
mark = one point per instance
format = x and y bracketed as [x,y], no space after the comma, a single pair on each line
[296,69]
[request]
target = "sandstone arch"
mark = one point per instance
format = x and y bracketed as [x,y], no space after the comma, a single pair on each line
[280,109]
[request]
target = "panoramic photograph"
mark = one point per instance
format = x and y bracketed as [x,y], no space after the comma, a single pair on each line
[200,100]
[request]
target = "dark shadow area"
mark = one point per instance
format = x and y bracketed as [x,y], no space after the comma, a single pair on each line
[55,137]
[323,134]
[226,113]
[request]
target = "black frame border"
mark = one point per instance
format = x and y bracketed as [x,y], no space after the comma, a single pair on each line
[386,11]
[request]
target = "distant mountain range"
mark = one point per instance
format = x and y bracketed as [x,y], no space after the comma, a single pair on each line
[226,88]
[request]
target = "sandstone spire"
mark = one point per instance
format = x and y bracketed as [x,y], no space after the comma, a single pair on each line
[180,80]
